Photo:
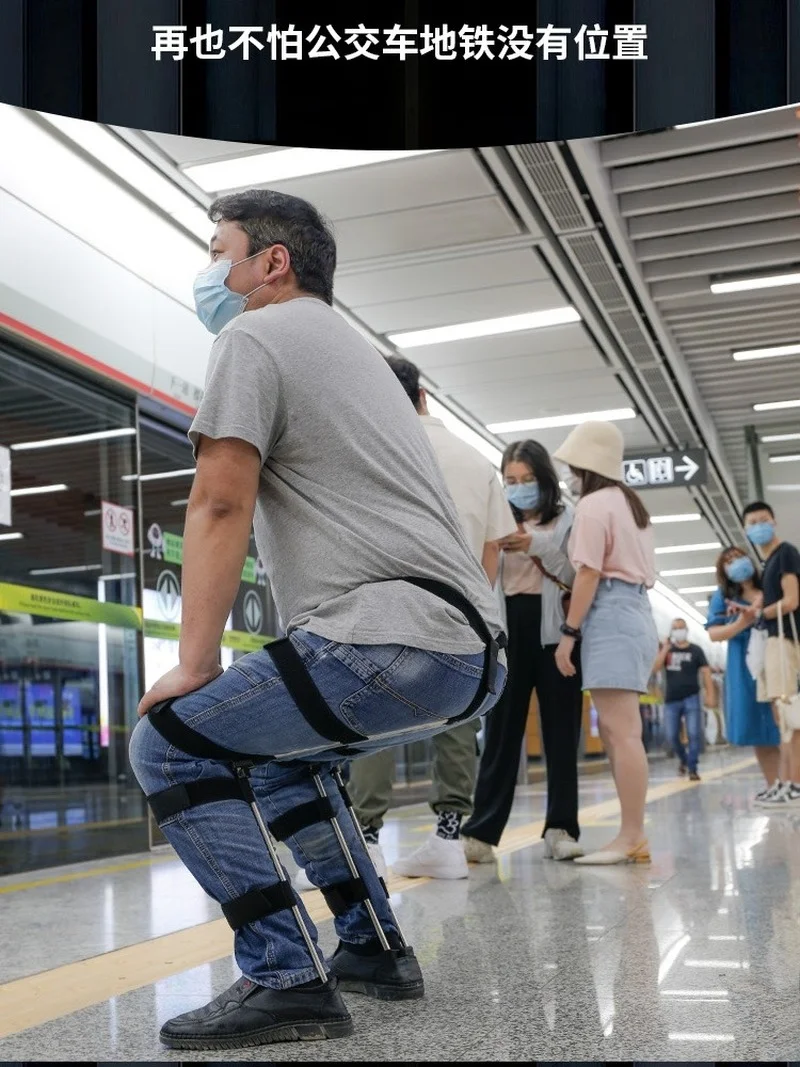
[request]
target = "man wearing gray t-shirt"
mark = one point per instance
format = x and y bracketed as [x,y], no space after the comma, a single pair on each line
[393,632]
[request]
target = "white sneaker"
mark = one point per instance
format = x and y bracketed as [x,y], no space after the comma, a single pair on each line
[765,798]
[435,858]
[477,851]
[303,884]
[559,845]
[788,797]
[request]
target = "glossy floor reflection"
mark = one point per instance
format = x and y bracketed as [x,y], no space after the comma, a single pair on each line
[694,959]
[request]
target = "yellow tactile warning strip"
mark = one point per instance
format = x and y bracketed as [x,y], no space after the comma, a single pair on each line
[40,998]
[77,876]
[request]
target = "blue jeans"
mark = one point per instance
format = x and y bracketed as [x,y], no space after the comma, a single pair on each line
[674,712]
[390,693]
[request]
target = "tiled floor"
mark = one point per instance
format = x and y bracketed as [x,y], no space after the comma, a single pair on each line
[695,958]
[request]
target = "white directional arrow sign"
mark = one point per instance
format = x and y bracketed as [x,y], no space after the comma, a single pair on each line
[664,470]
[689,469]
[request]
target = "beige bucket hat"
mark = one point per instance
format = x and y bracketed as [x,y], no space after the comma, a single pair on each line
[596,447]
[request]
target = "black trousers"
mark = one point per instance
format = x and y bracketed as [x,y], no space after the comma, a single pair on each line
[560,709]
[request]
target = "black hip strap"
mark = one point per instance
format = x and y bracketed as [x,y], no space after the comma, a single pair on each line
[310,702]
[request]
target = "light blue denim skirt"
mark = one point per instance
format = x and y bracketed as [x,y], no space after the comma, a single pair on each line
[620,641]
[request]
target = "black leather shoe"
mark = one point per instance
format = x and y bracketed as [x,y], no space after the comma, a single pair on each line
[392,975]
[248,1014]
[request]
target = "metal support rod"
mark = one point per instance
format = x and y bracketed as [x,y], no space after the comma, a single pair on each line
[244,776]
[337,775]
[354,872]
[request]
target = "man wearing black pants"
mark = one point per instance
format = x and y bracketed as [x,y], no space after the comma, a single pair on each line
[535,573]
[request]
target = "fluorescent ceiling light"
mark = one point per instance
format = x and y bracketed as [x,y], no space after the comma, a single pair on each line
[727,118]
[458,427]
[701,603]
[11,537]
[703,1037]
[731,965]
[694,992]
[685,572]
[76,439]
[783,488]
[179,503]
[697,589]
[67,570]
[553,421]
[741,285]
[127,166]
[747,354]
[707,546]
[35,490]
[777,405]
[464,331]
[785,459]
[158,477]
[685,609]
[676,518]
[775,437]
[280,165]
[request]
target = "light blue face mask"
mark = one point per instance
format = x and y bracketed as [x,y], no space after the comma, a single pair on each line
[740,569]
[760,533]
[216,304]
[524,496]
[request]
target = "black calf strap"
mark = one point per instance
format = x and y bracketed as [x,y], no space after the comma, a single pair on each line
[343,895]
[258,904]
[301,817]
[180,798]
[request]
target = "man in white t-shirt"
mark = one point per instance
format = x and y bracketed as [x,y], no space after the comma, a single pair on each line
[486,518]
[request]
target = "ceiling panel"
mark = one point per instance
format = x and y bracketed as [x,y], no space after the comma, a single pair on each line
[452,274]
[420,181]
[634,432]
[186,151]
[460,223]
[469,306]
[574,361]
[550,341]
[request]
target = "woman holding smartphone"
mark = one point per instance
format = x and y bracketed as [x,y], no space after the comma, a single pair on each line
[534,575]
[612,550]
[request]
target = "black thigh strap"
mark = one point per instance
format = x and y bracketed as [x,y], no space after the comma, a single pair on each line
[185,739]
[258,904]
[301,817]
[303,691]
[343,895]
[178,798]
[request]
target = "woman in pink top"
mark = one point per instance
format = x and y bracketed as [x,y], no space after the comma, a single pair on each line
[613,552]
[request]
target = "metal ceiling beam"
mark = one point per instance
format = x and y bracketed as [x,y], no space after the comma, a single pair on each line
[704,166]
[734,262]
[719,191]
[586,157]
[725,304]
[706,137]
[726,213]
[748,235]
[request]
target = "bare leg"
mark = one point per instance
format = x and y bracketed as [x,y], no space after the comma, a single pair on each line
[769,759]
[618,710]
[794,758]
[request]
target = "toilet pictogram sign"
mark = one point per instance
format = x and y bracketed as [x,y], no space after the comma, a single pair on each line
[117,529]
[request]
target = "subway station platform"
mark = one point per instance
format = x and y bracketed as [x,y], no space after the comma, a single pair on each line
[695,958]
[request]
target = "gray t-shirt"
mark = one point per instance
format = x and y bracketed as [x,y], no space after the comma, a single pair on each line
[351,493]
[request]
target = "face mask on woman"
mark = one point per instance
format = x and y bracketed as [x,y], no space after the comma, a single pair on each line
[740,569]
[524,495]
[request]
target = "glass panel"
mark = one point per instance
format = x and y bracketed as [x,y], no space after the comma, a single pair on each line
[167,469]
[69,622]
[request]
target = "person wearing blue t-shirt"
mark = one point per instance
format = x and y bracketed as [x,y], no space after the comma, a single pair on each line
[748,721]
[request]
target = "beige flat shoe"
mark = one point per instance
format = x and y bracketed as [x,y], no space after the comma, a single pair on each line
[609,857]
